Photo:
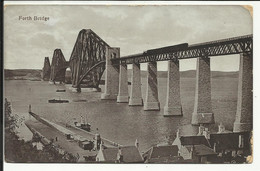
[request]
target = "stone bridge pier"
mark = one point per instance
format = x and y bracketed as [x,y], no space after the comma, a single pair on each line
[111,75]
[202,113]
[136,92]
[151,100]
[173,101]
[123,85]
[244,113]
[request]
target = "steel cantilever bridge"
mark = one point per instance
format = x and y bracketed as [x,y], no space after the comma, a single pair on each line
[235,45]
[87,61]
[58,66]
[88,58]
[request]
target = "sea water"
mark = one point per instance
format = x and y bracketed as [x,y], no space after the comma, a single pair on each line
[118,121]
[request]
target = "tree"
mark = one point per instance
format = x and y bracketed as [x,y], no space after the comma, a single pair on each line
[17,150]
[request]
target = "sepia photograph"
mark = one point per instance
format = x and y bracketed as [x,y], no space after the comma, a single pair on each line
[147,84]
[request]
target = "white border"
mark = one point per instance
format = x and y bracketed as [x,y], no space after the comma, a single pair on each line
[193,167]
[131,2]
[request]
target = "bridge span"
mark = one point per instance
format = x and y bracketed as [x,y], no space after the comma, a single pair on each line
[202,113]
[58,67]
[86,63]
[229,46]
[91,56]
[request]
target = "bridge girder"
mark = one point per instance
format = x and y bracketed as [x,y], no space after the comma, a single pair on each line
[89,50]
[236,45]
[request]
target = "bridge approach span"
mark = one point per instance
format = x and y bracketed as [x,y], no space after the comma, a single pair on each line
[235,45]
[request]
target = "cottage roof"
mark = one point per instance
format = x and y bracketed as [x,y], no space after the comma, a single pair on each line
[164,151]
[229,141]
[130,154]
[162,154]
[110,154]
[201,150]
[194,140]
[172,159]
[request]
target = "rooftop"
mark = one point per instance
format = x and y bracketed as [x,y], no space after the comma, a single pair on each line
[110,154]
[162,154]
[229,141]
[172,159]
[130,154]
[194,140]
[163,151]
[202,150]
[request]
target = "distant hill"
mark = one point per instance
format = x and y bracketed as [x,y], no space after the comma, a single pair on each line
[214,74]
[22,74]
[36,74]
[191,74]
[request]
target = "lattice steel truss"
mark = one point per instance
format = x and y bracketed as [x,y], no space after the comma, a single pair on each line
[236,45]
[58,66]
[88,51]
[46,70]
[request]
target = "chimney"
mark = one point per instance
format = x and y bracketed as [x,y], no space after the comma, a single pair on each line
[120,155]
[206,133]
[97,141]
[241,141]
[192,151]
[221,128]
[215,146]
[101,145]
[178,133]
[136,143]
[201,129]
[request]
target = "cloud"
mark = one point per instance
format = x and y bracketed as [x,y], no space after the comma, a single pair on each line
[132,28]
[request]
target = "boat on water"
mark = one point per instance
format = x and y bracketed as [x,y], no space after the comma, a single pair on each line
[61,90]
[80,100]
[83,124]
[35,79]
[58,101]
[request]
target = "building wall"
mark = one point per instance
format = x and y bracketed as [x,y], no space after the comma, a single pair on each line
[177,142]
[100,156]
[185,153]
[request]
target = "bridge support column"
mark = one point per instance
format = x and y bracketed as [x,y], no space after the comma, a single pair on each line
[244,112]
[111,75]
[202,113]
[123,85]
[151,100]
[136,93]
[173,101]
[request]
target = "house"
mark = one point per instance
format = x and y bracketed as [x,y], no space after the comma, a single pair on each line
[190,140]
[163,154]
[200,153]
[232,144]
[125,154]
[197,149]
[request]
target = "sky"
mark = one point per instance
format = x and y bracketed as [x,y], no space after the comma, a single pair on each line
[132,28]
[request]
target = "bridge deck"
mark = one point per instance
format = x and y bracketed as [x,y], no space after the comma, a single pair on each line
[228,46]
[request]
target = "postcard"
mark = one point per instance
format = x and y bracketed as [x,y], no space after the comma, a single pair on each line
[163,84]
